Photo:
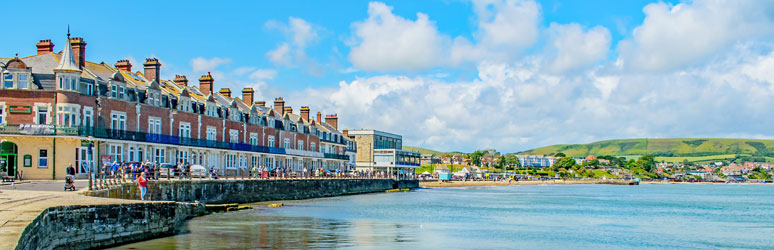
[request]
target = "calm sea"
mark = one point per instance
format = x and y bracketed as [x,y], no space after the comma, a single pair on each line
[511,217]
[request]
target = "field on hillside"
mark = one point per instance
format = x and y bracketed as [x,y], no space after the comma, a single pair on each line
[423,151]
[697,149]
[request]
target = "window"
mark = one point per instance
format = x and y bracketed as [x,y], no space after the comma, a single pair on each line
[154,125]
[270,142]
[42,115]
[287,143]
[300,145]
[88,116]
[160,155]
[2,108]
[233,136]
[121,91]
[253,139]
[89,89]
[21,81]
[113,91]
[68,83]
[312,147]
[68,115]
[8,81]
[118,121]
[212,133]
[43,158]
[116,153]
[185,130]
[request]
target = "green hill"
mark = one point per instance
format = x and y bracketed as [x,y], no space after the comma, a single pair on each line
[675,147]
[423,151]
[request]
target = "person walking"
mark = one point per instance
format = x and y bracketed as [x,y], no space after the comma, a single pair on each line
[142,182]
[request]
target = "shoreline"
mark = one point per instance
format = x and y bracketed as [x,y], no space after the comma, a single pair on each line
[434,184]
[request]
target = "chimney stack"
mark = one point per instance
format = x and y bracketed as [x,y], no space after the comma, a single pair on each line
[279,105]
[346,133]
[247,96]
[181,80]
[124,65]
[288,110]
[152,69]
[305,113]
[319,117]
[260,103]
[225,92]
[332,120]
[45,46]
[79,51]
[206,84]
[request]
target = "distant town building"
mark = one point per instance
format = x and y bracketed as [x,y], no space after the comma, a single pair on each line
[429,159]
[382,151]
[536,161]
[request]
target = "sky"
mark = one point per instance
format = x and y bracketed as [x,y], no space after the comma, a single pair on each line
[453,75]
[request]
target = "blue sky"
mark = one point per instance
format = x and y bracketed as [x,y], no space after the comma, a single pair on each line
[454,75]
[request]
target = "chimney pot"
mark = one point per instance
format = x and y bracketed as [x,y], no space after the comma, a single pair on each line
[79,51]
[181,80]
[279,105]
[225,92]
[332,120]
[305,113]
[45,46]
[124,65]
[206,83]
[152,69]
[247,96]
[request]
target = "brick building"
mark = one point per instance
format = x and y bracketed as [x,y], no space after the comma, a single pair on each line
[59,108]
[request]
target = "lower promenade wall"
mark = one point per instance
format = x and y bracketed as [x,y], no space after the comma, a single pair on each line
[99,226]
[245,191]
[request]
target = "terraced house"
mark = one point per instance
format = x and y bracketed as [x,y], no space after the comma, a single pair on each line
[59,108]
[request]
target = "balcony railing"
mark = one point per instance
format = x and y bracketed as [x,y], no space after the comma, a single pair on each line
[105,133]
[336,156]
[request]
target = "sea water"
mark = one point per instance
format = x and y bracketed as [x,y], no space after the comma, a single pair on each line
[656,216]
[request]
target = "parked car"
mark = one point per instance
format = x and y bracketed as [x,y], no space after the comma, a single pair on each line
[198,171]
[166,169]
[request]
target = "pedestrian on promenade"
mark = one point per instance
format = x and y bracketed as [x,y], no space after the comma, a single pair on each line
[254,172]
[142,182]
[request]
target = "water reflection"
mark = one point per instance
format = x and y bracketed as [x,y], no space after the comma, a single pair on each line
[262,228]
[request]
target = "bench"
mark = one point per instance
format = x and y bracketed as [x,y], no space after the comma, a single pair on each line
[6,178]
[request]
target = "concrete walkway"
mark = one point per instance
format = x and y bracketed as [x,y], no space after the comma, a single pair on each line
[22,203]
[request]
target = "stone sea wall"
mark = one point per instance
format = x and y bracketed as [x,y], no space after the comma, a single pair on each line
[244,191]
[100,226]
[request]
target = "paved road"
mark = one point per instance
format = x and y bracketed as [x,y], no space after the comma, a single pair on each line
[22,203]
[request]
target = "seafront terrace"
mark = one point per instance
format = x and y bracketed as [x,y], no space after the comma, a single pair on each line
[140,136]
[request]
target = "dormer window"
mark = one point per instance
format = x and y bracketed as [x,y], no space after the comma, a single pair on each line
[68,83]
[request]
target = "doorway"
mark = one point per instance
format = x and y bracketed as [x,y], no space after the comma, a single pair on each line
[83,160]
[8,158]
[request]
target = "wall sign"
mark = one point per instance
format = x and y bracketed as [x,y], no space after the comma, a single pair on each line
[28,160]
[16,109]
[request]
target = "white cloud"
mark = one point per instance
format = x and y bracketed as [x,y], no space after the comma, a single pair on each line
[686,34]
[263,74]
[505,29]
[572,48]
[299,35]
[201,64]
[387,42]
[280,55]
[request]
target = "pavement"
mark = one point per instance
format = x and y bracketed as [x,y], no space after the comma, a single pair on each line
[21,203]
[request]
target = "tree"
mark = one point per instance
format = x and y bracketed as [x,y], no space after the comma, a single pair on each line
[563,163]
[647,163]
[513,161]
[475,157]
[560,154]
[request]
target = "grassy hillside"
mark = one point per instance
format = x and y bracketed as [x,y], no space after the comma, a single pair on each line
[676,147]
[421,150]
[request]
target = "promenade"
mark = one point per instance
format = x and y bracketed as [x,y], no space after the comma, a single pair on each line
[22,203]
